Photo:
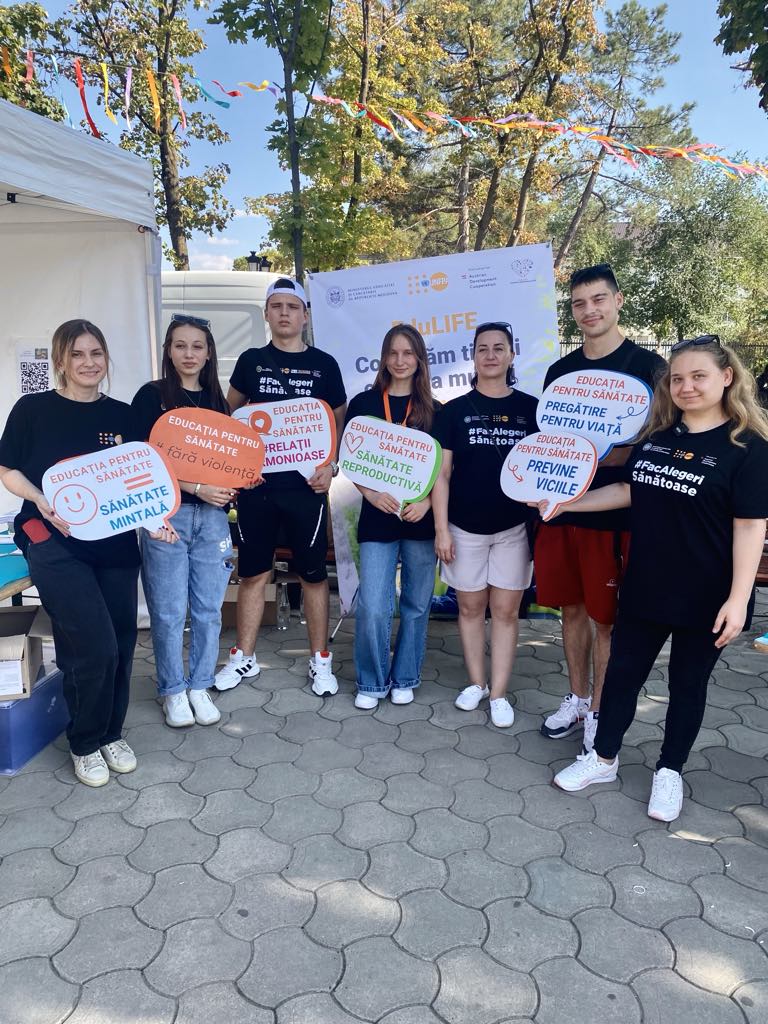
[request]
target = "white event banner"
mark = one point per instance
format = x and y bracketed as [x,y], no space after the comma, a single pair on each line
[556,467]
[608,408]
[445,298]
[297,434]
[388,457]
[109,492]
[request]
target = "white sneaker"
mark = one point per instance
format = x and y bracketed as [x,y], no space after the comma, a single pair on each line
[502,714]
[401,695]
[177,711]
[666,795]
[238,667]
[590,731]
[203,708]
[91,768]
[585,771]
[119,757]
[365,701]
[471,696]
[321,675]
[568,717]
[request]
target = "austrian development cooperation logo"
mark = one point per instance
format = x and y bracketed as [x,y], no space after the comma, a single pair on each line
[419,284]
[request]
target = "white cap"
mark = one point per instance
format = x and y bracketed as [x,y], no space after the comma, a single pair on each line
[287,286]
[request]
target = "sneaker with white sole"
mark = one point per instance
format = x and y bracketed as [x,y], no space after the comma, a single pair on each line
[366,701]
[666,795]
[321,675]
[760,643]
[203,708]
[502,714]
[568,717]
[91,768]
[119,757]
[471,696]
[586,770]
[401,694]
[177,711]
[238,667]
[590,731]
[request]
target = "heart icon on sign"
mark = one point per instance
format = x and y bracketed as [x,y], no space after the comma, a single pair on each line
[522,267]
[353,441]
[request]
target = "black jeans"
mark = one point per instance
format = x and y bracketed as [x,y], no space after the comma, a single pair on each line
[635,645]
[93,613]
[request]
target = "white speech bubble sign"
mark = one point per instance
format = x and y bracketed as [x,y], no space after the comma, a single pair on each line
[112,491]
[556,467]
[608,408]
[298,434]
[388,457]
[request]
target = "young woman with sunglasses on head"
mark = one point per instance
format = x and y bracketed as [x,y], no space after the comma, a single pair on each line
[194,570]
[481,534]
[88,588]
[400,394]
[698,491]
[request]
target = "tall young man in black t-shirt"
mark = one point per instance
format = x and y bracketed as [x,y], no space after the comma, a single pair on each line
[286,368]
[578,559]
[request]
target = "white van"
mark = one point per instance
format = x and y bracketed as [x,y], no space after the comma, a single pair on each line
[233,300]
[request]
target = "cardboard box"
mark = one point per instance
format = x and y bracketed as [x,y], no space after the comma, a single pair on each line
[21,649]
[229,608]
[27,726]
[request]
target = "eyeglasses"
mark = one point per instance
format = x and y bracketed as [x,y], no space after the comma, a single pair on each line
[588,274]
[193,321]
[702,339]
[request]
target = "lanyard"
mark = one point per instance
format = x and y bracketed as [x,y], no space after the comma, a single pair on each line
[388,414]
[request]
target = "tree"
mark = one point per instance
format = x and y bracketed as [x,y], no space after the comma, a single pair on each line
[744,30]
[21,26]
[298,31]
[157,36]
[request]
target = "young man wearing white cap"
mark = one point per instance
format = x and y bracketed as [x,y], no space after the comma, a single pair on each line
[285,368]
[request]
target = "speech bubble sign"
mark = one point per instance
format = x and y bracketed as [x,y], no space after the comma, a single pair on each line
[558,467]
[388,457]
[109,492]
[298,434]
[608,408]
[208,448]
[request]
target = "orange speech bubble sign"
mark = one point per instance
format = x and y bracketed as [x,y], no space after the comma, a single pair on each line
[209,448]
[298,433]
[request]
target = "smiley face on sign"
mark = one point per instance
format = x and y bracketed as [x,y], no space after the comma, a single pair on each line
[75,504]
[298,434]
[558,467]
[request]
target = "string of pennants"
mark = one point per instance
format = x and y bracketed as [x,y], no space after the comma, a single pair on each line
[423,123]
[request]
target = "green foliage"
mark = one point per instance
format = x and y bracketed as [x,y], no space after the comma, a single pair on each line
[744,31]
[27,24]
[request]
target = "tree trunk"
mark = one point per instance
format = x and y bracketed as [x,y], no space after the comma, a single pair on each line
[297,227]
[362,99]
[463,196]
[578,215]
[169,175]
[522,201]
[490,200]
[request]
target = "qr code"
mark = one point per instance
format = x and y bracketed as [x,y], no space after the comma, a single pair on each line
[34,377]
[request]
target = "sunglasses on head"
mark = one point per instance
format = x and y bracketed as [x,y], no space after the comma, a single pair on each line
[495,325]
[192,321]
[702,339]
[590,273]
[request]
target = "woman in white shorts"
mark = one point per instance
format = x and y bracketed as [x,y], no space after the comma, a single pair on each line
[481,535]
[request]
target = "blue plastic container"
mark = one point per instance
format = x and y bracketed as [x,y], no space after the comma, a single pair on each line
[29,725]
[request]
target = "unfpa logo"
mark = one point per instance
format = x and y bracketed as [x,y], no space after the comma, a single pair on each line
[420,284]
[680,454]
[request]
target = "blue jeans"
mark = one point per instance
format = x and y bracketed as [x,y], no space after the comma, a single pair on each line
[376,606]
[192,572]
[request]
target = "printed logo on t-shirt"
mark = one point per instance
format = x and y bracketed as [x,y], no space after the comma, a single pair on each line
[657,448]
[669,478]
[108,439]
[680,453]
[708,460]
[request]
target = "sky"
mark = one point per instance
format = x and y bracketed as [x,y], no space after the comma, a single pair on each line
[726,114]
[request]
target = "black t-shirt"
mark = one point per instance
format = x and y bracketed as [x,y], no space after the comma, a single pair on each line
[374,524]
[147,407]
[311,374]
[45,428]
[686,491]
[627,358]
[480,431]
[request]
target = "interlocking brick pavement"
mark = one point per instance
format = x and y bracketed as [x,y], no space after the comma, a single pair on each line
[304,862]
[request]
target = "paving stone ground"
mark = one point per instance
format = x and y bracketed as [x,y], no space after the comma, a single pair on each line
[304,862]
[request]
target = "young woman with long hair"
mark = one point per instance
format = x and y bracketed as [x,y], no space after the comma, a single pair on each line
[698,491]
[481,534]
[400,394]
[193,571]
[88,588]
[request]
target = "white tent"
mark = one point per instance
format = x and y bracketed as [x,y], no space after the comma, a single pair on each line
[77,239]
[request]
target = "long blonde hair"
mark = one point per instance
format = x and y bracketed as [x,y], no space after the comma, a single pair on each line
[739,400]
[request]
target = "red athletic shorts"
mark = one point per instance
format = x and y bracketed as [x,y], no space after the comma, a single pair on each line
[574,565]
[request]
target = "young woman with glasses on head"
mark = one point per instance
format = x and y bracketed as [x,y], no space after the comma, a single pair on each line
[697,485]
[400,394]
[481,534]
[194,570]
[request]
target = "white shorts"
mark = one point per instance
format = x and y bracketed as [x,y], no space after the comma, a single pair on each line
[500,560]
